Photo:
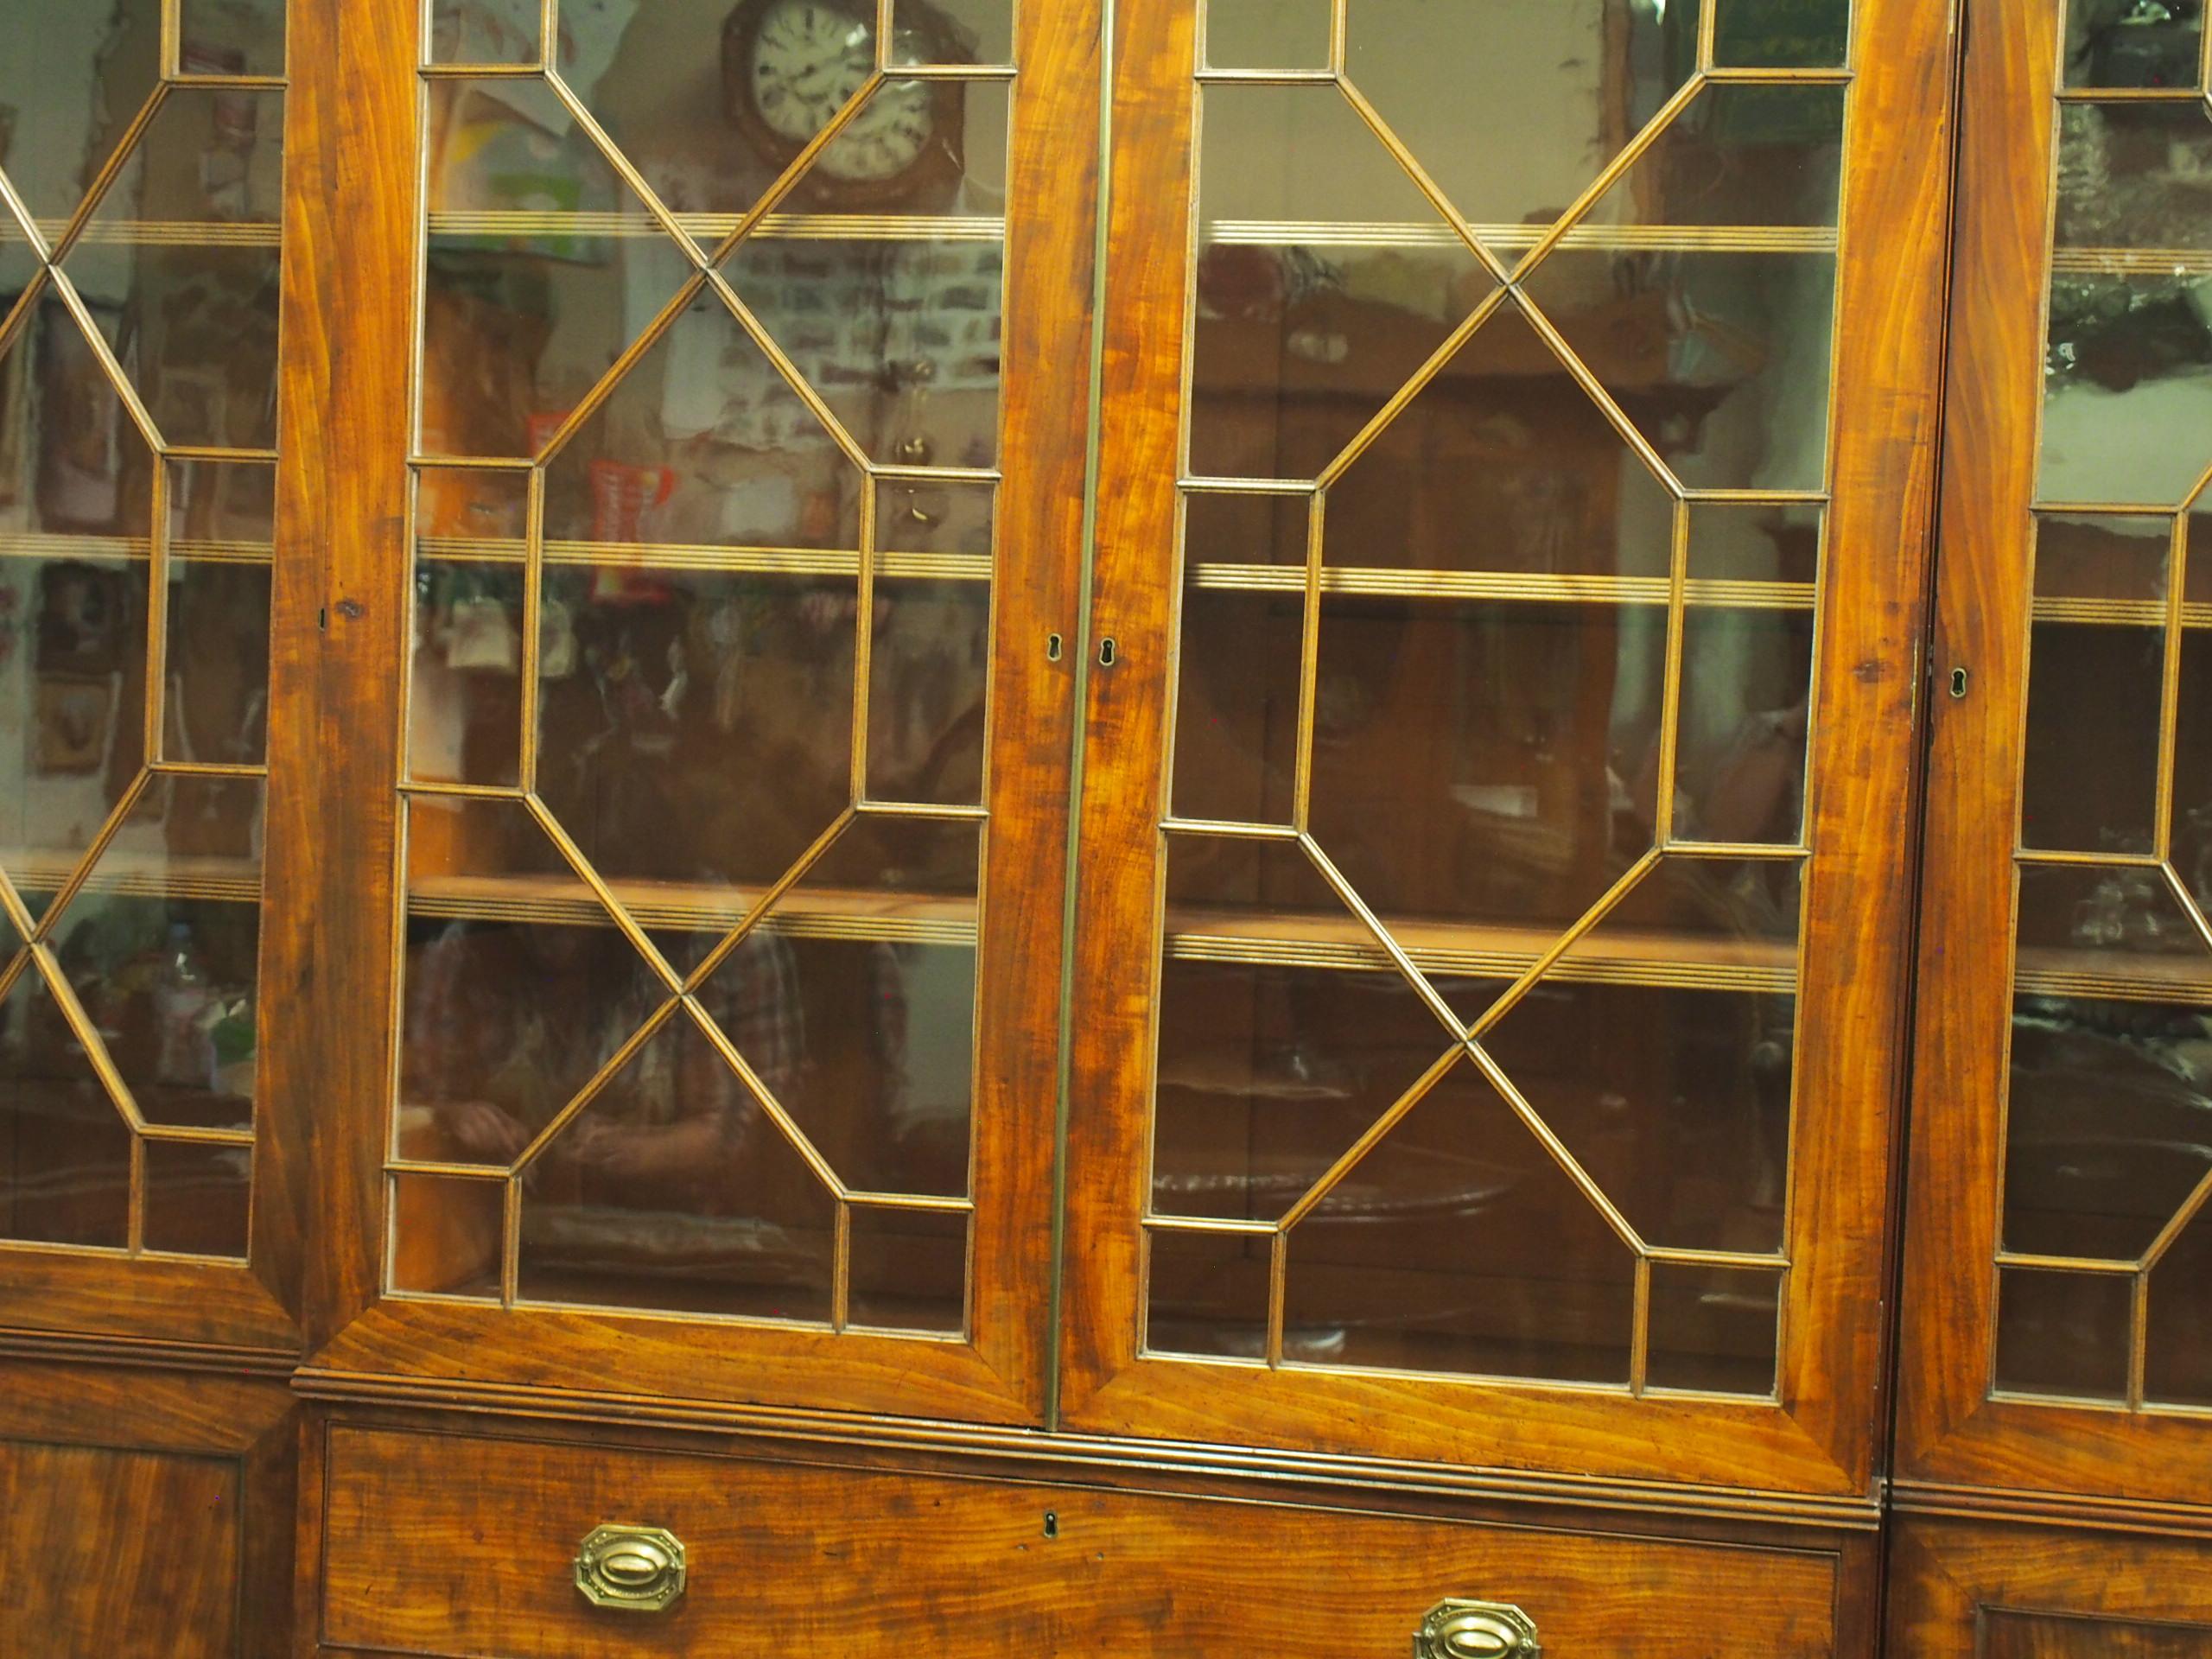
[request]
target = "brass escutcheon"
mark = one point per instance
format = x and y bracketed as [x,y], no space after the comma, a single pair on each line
[1476,1629]
[633,1569]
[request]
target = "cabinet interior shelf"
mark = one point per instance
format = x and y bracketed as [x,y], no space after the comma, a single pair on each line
[1547,587]
[740,561]
[713,227]
[133,874]
[53,545]
[1518,239]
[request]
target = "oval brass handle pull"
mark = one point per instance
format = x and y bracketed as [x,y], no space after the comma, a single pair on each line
[634,1569]
[1476,1629]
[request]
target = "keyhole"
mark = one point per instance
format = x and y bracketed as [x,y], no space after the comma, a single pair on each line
[1051,1524]
[1054,645]
[1958,683]
[1107,652]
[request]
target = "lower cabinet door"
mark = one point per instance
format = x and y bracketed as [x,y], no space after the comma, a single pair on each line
[455,1545]
[2004,1591]
[144,1516]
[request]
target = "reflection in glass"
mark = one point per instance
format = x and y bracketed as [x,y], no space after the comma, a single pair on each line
[2177,1354]
[2096,676]
[674,1191]
[2109,1125]
[1804,35]
[1746,715]
[72,82]
[65,1172]
[197,1198]
[2133,43]
[1208,1294]
[1470,1252]
[1236,705]
[1487,761]
[1675,1094]
[910,1270]
[952,31]
[2130,362]
[445,1234]
[2063,1333]
[1268,33]
[230,37]
[1324,279]
[1715,1329]
[1561,90]
[483,31]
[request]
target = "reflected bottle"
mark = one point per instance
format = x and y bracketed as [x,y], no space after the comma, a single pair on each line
[184,997]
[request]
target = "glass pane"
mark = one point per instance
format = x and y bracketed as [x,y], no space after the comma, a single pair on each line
[952,31]
[854,1002]
[72,81]
[930,661]
[1325,279]
[2191,854]
[2109,1028]
[218,647]
[2096,679]
[1718,348]
[910,1270]
[64,1151]
[1747,715]
[179,265]
[1237,704]
[1491,761]
[2130,348]
[2133,43]
[1659,1050]
[446,1234]
[1781,33]
[2177,1355]
[232,37]
[1208,1294]
[1268,33]
[674,1191]
[518,989]
[464,704]
[1715,1329]
[1778,545]
[1269,1072]
[1471,1253]
[196,1198]
[1561,90]
[2065,1333]
[484,31]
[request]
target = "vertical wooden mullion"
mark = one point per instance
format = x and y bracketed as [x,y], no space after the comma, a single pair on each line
[350,210]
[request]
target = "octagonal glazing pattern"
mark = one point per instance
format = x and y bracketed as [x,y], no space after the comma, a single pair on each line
[140,165]
[1506,460]
[705,525]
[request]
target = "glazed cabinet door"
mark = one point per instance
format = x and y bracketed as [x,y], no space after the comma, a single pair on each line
[2058,1300]
[1516,470]
[709,725]
[150,893]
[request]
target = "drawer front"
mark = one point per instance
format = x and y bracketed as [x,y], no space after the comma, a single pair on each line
[463,1545]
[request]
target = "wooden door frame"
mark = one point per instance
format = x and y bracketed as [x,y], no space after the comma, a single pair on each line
[1950,1430]
[353,225]
[1824,1433]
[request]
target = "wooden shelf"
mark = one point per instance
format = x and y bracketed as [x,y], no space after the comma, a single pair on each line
[1689,961]
[169,233]
[810,913]
[2185,979]
[1518,239]
[138,876]
[55,545]
[740,561]
[1533,587]
[523,224]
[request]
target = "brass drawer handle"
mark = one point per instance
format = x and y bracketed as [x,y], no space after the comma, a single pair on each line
[1476,1629]
[635,1569]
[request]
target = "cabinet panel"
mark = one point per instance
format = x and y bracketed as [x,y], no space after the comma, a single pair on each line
[1512,545]
[2057,1306]
[144,1515]
[143,1007]
[2026,1593]
[440,1544]
[729,713]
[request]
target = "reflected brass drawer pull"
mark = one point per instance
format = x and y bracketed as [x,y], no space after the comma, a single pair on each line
[1476,1629]
[635,1569]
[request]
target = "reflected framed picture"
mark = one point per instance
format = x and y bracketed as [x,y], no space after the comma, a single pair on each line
[76,721]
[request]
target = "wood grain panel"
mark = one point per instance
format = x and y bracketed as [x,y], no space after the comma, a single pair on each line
[1995,1591]
[456,1546]
[117,1553]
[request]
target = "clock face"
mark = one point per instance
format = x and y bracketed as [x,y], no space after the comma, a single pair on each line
[808,58]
